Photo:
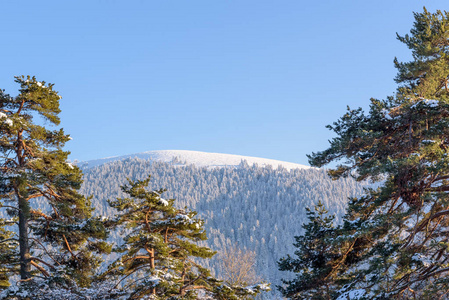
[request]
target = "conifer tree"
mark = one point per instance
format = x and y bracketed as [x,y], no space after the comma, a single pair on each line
[313,258]
[8,259]
[159,258]
[396,237]
[59,241]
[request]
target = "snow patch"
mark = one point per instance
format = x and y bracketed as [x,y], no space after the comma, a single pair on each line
[8,122]
[427,102]
[352,295]
[163,202]
[386,114]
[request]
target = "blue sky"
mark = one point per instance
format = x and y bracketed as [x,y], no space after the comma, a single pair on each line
[257,78]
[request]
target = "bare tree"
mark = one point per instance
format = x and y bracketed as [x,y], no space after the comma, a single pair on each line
[237,266]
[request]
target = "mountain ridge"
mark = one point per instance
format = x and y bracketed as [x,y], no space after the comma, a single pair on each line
[197,158]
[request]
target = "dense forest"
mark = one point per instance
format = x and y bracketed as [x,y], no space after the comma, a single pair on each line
[259,208]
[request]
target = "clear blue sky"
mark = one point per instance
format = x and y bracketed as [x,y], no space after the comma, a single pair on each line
[257,78]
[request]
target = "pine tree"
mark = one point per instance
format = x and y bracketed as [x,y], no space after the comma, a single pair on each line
[398,234]
[58,242]
[314,256]
[8,245]
[159,258]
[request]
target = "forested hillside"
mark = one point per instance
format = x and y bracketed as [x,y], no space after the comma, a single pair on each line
[259,208]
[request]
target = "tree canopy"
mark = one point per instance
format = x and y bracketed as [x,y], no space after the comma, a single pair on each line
[394,240]
[160,256]
[313,258]
[58,240]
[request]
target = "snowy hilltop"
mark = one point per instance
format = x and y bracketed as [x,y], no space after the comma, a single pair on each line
[258,208]
[199,159]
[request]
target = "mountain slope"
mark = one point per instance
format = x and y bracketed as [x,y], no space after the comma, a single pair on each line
[259,208]
[199,159]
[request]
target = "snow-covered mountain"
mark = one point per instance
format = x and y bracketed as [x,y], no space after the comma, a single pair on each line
[198,158]
[257,205]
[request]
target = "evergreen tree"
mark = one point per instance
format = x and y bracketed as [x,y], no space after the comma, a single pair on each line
[398,234]
[314,255]
[8,245]
[57,242]
[159,256]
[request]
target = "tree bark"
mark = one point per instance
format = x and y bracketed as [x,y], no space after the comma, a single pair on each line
[153,266]
[24,215]
[25,261]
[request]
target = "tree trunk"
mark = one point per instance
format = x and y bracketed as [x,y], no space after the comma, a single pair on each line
[25,263]
[153,266]
[24,215]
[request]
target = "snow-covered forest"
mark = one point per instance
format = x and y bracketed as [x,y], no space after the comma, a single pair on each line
[259,208]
